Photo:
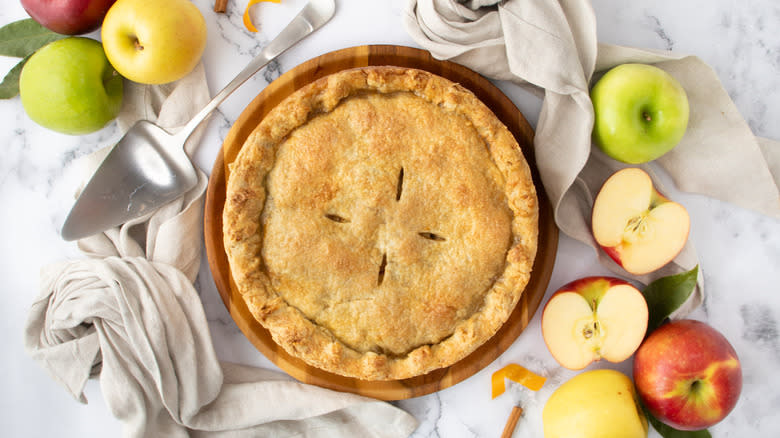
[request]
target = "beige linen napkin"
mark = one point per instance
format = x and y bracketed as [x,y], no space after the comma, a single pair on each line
[550,47]
[130,316]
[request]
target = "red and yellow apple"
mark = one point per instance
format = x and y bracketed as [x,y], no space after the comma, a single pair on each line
[594,318]
[68,17]
[598,403]
[688,375]
[637,227]
[152,41]
[641,112]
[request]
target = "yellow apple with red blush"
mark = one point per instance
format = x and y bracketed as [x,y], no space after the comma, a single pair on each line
[688,375]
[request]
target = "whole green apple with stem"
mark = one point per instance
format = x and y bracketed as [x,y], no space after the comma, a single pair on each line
[641,113]
[153,41]
[69,86]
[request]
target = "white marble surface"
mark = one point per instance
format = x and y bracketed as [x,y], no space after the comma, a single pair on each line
[739,250]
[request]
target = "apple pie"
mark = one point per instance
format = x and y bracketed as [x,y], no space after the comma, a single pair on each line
[380,223]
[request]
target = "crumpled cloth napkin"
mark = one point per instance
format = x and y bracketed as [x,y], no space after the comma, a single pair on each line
[129,315]
[550,47]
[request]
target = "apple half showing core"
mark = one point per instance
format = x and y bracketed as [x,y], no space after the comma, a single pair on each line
[636,226]
[594,318]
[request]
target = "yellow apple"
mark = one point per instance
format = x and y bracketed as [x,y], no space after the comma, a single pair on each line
[594,318]
[635,225]
[153,41]
[595,404]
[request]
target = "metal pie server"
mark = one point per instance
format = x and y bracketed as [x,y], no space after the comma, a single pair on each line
[148,167]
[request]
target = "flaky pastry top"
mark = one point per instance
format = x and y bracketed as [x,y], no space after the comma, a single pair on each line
[381,223]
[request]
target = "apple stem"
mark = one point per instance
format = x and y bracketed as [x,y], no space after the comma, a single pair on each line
[647,116]
[138,45]
[695,386]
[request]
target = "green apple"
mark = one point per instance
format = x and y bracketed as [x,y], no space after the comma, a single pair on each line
[153,41]
[69,86]
[641,113]
[599,403]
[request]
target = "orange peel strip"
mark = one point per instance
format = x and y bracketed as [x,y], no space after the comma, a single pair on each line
[248,19]
[518,374]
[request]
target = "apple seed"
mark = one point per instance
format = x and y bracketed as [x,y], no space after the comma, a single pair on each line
[637,226]
[590,330]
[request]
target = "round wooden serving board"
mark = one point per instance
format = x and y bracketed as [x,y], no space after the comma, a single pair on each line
[286,84]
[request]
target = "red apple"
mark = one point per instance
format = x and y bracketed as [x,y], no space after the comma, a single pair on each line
[635,225]
[68,17]
[688,375]
[594,318]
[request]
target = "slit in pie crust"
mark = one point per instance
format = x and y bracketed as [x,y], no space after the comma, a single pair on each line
[380,223]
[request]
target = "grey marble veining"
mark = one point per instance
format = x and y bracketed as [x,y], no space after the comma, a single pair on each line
[739,250]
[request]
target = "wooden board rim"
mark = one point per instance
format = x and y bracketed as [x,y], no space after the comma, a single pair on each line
[215,196]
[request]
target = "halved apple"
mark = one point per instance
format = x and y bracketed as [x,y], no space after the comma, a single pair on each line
[594,318]
[635,225]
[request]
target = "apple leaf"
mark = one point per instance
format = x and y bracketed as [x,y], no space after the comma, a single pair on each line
[22,38]
[667,431]
[9,88]
[667,294]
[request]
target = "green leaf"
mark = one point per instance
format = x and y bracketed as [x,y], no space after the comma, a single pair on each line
[667,294]
[667,431]
[9,88]
[22,38]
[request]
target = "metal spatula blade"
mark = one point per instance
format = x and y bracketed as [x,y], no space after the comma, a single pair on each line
[148,167]
[138,176]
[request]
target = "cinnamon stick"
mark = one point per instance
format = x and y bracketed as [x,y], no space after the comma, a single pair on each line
[220,5]
[509,429]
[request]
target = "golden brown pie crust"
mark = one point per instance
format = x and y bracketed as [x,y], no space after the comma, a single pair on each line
[381,223]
